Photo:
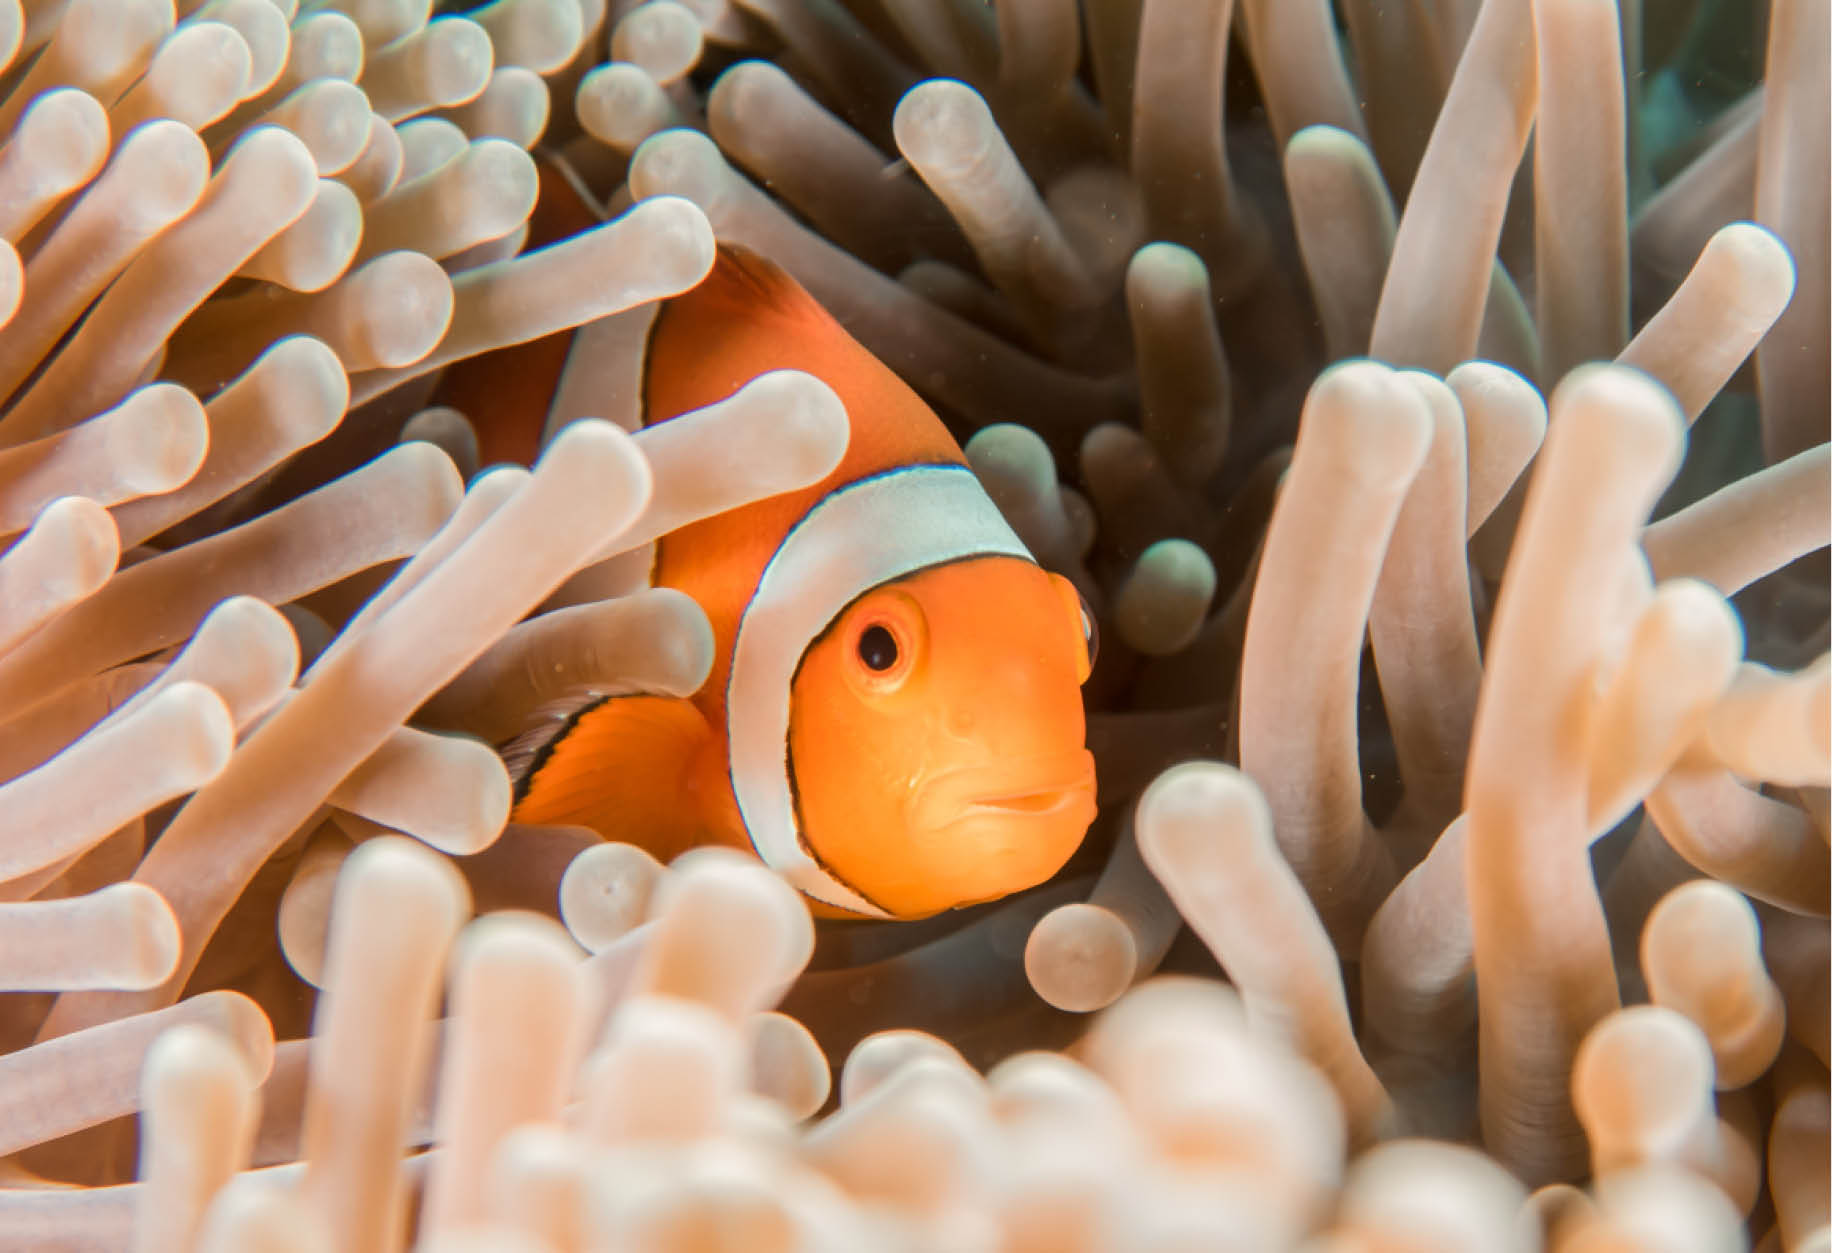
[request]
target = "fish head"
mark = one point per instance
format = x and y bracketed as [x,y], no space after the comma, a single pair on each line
[937,739]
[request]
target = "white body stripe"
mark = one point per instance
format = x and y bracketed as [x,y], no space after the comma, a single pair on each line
[861,535]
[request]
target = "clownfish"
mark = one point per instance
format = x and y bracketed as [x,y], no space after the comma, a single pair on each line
[893,719]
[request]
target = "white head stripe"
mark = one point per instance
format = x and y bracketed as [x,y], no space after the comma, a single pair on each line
[859,536]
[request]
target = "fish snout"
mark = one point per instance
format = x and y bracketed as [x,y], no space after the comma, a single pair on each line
[1059,786]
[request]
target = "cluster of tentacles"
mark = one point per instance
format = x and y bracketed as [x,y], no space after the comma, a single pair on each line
[1434,411]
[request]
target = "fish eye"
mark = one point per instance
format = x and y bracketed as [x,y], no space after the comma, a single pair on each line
[1090,631]
[877,648]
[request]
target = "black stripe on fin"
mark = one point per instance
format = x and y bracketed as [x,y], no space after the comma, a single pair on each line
[554,721]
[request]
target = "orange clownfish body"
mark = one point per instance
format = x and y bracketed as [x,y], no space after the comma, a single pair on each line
[893,720]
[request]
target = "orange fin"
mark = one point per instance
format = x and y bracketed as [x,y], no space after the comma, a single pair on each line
[620,765]
[751,282]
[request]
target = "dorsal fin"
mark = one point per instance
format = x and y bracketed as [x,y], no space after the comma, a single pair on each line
[754,283]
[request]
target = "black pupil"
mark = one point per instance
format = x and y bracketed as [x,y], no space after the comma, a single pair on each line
[878,648]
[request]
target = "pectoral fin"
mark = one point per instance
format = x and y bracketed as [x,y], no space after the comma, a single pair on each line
[625,766]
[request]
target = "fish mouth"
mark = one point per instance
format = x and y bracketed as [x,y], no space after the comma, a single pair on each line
[1016,789]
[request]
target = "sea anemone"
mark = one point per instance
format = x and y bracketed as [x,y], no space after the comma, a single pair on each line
[1430,401]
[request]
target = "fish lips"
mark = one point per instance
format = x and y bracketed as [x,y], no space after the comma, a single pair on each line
[1058,787]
